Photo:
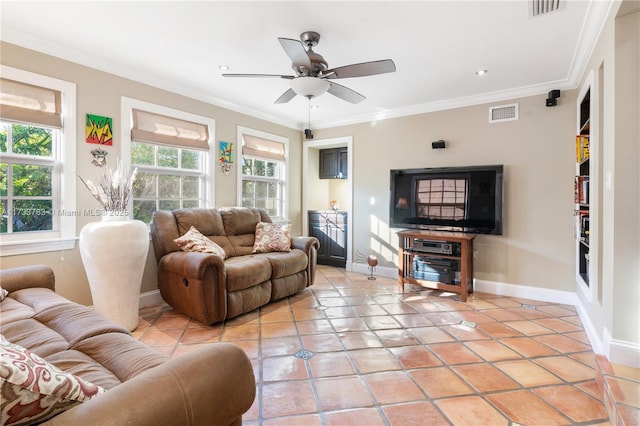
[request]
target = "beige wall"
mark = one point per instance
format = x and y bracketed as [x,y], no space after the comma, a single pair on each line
[317,189]
[100,93]
[537,152]
[626,218]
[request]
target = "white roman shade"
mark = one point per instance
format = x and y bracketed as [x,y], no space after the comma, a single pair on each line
[263,148]
[26,103]
[163,130]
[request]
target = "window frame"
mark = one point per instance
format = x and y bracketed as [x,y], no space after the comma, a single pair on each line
[129,104]
[63,236]
[284,172]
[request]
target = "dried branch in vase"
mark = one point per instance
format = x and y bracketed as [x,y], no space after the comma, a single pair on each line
[114,188]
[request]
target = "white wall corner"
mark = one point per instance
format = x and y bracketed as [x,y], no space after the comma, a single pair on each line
[599,345]
[150,298]
[620,351]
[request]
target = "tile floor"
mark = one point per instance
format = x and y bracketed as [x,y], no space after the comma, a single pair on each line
[353,351]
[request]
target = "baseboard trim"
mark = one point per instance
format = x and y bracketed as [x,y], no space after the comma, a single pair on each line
[150,298]
[620,351]
[526,292]
[594,338]
[380,271]
[491,287]
[626,353]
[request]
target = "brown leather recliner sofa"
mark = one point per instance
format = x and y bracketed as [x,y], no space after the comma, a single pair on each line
[212,385]
[211,289]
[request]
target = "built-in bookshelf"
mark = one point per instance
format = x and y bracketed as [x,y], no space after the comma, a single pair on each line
[581,187]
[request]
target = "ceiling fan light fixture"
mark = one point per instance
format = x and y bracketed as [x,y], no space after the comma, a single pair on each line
[309,86]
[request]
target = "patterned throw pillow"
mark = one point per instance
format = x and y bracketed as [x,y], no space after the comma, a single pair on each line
[3,293]
[34,390]
[272,237]
[193,240]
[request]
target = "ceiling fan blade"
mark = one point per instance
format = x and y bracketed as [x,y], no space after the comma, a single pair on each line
[295,51]
[345,93]
[362,70]
[285,97]
[289,77]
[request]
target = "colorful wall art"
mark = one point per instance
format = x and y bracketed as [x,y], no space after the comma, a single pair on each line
[226,152]
[225,156]
[99,129]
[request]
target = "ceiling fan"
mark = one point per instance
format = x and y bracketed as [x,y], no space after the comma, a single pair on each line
[312,74]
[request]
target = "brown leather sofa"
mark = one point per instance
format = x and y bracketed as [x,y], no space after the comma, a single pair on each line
[211,289]
[212,385]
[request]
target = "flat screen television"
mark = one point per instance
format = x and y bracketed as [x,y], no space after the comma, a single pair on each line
[459,199]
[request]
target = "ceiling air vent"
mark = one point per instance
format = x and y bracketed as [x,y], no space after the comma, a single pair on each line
[498,114]
[542,7]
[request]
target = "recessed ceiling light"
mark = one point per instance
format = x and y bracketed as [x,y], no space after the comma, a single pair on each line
[481,72]
[223,67]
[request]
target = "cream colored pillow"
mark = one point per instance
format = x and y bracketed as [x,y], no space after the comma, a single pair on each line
[193,240]
[272,237]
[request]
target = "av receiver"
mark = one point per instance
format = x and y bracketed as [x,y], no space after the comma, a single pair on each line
[437,247]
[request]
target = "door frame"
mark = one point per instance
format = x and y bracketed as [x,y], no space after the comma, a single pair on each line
[321,144]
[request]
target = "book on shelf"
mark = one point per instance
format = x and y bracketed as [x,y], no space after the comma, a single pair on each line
[581,190]
[581,230]
[582,148]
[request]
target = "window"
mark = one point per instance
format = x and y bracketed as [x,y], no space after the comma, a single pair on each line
[171,150]
[263,172]
[26,177]
[441,198]
[37,160]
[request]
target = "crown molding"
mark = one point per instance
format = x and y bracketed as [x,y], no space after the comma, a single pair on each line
[446,104]
[592,27]
[90,60]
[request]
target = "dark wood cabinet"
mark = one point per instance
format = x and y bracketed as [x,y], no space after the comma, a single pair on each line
[343,163]
[334,163]
[330,228]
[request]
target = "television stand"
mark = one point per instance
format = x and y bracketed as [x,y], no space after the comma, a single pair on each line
[434,259]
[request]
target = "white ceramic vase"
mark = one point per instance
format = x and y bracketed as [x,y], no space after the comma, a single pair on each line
[114,253]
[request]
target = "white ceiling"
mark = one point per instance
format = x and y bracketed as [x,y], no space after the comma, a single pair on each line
[436,45]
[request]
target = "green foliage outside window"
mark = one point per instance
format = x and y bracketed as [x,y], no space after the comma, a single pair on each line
[260,185]
[142,154]
[163,182]
[167,157]
[26,189]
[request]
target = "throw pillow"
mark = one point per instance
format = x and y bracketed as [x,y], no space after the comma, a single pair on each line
[3,293]
[272,237]
[194,240]
[34,390]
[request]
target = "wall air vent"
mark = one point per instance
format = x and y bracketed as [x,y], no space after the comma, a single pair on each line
[498,114]
[542,7]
